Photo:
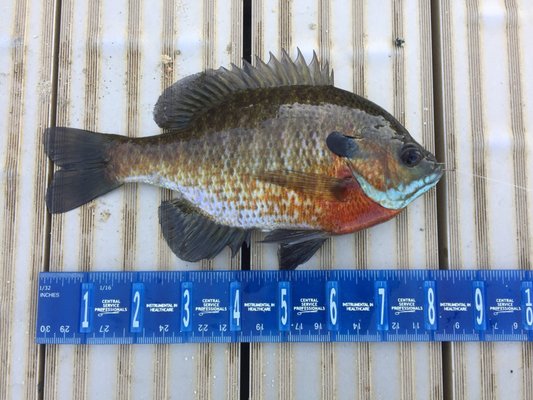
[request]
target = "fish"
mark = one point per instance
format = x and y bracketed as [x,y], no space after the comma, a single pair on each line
[272,146]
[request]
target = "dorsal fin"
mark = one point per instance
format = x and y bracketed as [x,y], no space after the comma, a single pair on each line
[194,94]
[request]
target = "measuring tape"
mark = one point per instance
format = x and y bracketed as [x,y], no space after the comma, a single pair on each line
[285,306]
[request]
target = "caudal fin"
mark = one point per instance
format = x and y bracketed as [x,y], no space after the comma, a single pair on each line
[84,174]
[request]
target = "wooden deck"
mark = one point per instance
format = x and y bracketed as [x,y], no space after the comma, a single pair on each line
[456,73]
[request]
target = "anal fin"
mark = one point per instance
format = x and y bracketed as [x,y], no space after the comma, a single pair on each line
[291,255]
[296,246]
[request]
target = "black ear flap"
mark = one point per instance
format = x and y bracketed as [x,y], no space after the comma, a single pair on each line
[341,145]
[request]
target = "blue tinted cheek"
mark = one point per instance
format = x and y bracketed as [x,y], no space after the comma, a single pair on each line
[396,198]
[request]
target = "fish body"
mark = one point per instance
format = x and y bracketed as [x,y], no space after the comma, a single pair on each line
[274,147]
[223,165]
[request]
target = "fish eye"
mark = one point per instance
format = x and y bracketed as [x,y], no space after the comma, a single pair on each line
[410,155]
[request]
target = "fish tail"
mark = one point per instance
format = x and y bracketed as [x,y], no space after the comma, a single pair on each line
[85,172]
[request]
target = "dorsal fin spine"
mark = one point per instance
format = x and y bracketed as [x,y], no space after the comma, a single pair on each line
[195,94]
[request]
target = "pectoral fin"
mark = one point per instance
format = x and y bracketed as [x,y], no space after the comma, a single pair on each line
[319,186]
[193,236]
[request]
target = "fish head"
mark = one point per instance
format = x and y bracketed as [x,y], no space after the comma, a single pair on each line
[389,165]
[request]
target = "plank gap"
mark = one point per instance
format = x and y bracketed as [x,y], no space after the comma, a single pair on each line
[245,250]
[52,117]
[440,152]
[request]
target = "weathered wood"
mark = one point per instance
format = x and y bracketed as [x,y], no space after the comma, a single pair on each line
[483,47]
[26,52]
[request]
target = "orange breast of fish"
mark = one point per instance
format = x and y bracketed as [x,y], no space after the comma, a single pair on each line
[355,212]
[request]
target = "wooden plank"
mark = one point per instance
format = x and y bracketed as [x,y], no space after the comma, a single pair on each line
[358,39]
[26,50]
[115,58]
[488,206]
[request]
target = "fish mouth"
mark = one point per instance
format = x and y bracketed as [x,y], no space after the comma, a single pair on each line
[430,180]
[435,176]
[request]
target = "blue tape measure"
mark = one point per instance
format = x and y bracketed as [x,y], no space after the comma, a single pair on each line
[281,306]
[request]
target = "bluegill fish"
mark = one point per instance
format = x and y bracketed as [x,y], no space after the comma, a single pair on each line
[273,146]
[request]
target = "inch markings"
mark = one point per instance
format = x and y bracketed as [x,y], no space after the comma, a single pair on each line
[280,306]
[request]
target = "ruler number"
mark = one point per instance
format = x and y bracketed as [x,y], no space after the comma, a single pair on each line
[430,316]
[284,298]
[86,307]
[137,303]
[284,314]
[137,300]
[235,306]
[186,296]
[186,308]
[333,306]
[431,306]
[381,300]
[527,305]
[332,295]
[479,304]
[85,320]
[381,293]
[529,308]
[236,309]
[478,297]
